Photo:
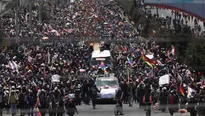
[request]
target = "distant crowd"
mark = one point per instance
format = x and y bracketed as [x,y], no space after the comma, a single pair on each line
[83,19]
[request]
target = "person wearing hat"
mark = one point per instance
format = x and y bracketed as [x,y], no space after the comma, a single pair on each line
[93,91]
[13,99]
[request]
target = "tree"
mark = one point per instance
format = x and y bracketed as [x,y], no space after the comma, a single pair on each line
[195,56]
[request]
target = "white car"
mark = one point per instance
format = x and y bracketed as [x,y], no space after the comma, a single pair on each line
[108,87]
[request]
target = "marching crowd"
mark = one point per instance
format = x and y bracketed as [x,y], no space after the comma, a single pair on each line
[26,81]
[26,70]
[82,19]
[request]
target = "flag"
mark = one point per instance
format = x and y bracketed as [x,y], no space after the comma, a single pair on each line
[49,28]
[69,30]
[190,91]
[102,65]
[147,60]
[148,64]
[129,60]
[151,73]
[30,59]
[181,89]
[37,103]
[134,53]
[171,51]
[34,83]
[159,62]
[38,113]
[57,33]
[12,65]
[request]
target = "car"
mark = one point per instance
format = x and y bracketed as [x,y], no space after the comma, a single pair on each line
[108,87]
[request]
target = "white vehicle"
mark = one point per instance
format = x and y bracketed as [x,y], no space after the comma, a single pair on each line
[108,87]
[101,56]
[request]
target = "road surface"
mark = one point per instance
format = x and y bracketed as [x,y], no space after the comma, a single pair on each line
[108,110]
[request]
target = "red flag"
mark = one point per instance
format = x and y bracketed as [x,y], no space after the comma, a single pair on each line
[181,89]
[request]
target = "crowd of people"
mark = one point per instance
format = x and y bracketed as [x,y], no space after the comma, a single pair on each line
[78,19]
[27,70]
[176,23]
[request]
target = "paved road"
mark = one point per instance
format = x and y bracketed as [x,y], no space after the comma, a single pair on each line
[107,110]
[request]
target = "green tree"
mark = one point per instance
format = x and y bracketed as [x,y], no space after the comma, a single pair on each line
[195,56]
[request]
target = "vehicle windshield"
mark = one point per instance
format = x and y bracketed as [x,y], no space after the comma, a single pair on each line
[97,61]
[106,82]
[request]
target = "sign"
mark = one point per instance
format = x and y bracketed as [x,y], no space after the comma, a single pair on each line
[164,80]
[55,78]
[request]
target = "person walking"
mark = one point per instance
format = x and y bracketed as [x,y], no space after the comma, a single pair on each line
[70,107]
[13,100]
[94,90]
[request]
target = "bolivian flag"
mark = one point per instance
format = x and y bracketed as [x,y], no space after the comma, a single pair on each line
[150,62]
